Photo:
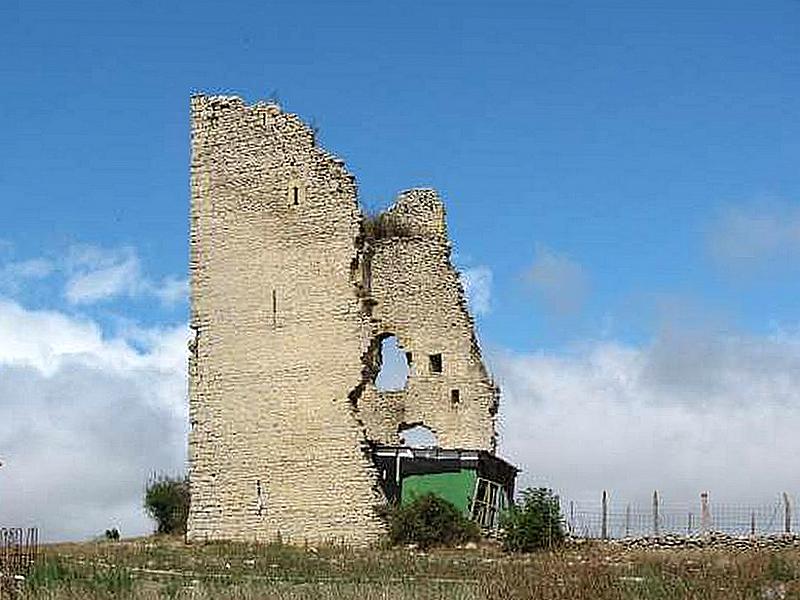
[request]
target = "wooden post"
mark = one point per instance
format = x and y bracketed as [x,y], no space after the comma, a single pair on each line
[656,528]
[753,523]
[787,514]
[689,525]
[571,516]
[604,524]
[628,521]
[705,513]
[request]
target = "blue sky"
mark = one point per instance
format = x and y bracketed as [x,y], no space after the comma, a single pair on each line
[611,133]
[621,177]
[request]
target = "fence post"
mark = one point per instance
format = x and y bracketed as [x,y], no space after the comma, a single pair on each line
[689,524]
[572,517]
[787,514]
[604,522]
[705,513]
[628,520]
[753,523]
[656,531]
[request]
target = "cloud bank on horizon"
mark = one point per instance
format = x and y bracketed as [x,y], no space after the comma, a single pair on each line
[685,413]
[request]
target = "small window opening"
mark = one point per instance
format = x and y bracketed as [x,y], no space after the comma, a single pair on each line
[455,397]
[295,195]
[274,309]
[393,374]
[418,436]
[409,358]
[436,363]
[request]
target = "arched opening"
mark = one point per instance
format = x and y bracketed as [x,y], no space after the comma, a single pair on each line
[393,373]
[418,436]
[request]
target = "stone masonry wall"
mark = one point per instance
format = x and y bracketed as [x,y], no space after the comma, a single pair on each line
[290,298]
[711,540]
[418,298]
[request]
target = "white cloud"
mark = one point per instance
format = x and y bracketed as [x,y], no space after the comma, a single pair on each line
[477,282]
[559,282]
[687,413]
[90,274]
[84,420]
[15,274]
[749,239]
[35,268]
[171,290]
[97,274]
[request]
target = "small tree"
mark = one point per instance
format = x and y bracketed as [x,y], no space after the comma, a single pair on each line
[534,523]
[166,501]
[431,521]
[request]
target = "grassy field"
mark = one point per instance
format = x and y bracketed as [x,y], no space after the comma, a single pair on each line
[166,568]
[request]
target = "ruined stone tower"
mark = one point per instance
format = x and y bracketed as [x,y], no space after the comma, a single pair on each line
[293,290]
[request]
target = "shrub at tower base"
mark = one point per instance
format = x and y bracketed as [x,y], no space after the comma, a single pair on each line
[430,521]
[534,523]
[166,501]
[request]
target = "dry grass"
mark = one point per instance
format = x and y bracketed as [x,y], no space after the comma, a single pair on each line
[166,568]
[603,572]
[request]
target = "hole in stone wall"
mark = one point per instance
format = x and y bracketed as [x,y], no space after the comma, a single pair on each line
[295,195]
[195,339]
[393,373]
[455,397]
[436,363]
[409,358]
[418,436]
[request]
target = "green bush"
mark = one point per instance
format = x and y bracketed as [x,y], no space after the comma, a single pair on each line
[534,523]
[430,521]
[166,501]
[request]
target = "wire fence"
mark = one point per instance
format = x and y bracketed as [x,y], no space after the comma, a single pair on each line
[18,551]
[607,519]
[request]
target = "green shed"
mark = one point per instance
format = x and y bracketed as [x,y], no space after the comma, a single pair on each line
[478,483]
